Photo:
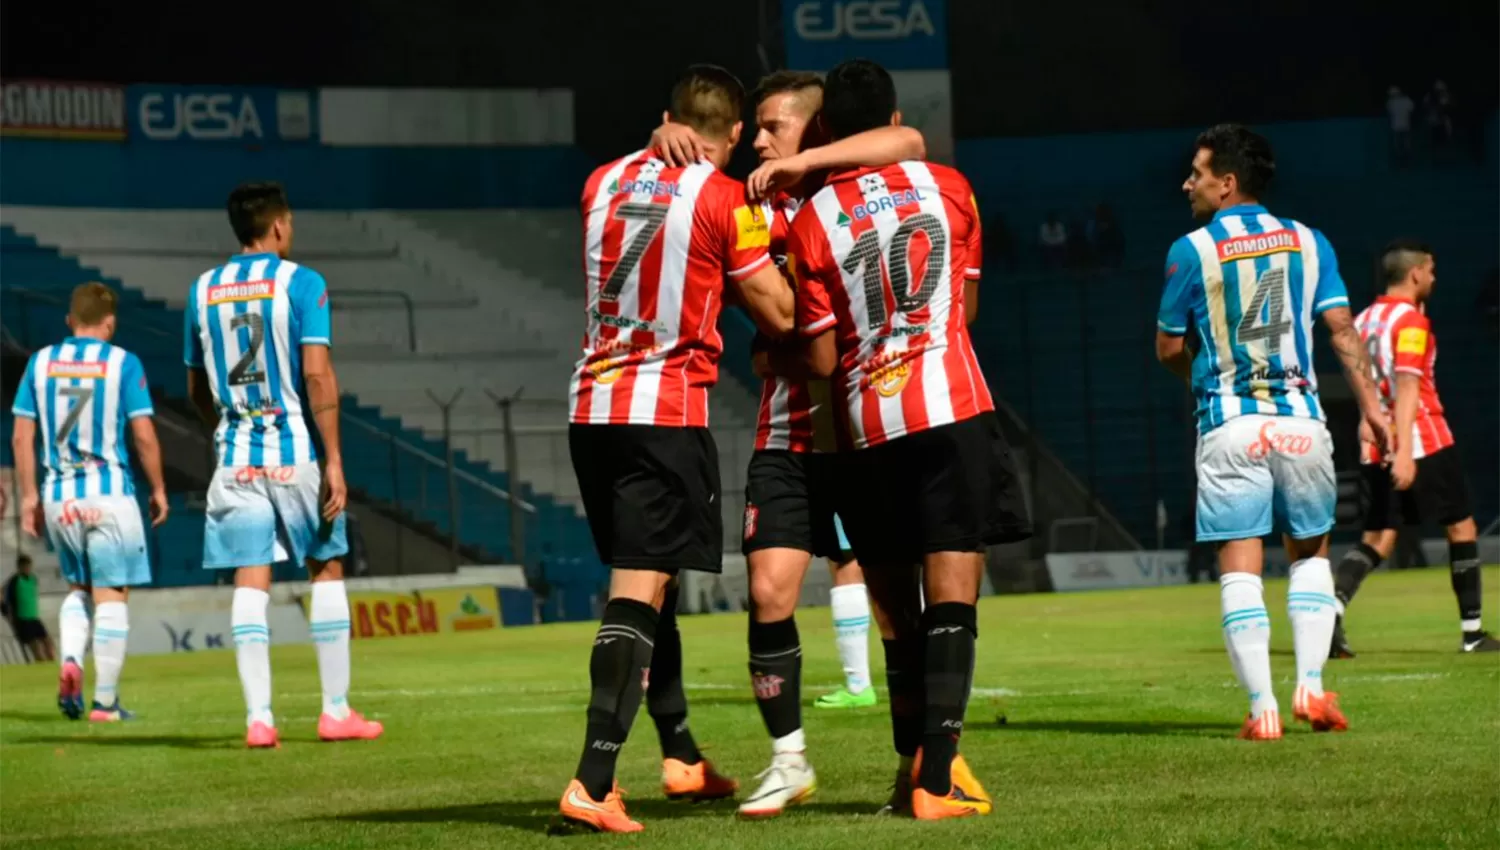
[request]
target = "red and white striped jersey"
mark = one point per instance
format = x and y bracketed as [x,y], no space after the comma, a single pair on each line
[1399,339]
[658,243]
[880,256]
[794,416]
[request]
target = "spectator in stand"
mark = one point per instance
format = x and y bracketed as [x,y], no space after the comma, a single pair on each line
[20,607]
[1053,239]
[1439,109]
[1106,239]
[1399,106]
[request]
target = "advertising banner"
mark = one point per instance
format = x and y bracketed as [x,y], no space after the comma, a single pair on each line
[257,115]
[396,613]
[901,35]
[50,109]
[1104,570]
[358,117]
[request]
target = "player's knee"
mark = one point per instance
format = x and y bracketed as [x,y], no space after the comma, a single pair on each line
[1309,547]
[772,596]
[644,586]
[846,572]
[953,577]
[330,570]
[1463,531]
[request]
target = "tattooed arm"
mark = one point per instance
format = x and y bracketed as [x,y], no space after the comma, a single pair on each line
[1356,362]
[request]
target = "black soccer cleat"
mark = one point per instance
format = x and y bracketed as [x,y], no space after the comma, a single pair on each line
[1339,648]
[1480,641]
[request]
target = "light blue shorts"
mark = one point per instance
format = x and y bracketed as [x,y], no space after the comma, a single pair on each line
[100,541]
[1258,474]
[268,515]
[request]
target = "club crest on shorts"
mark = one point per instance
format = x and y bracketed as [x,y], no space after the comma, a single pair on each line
[752,518]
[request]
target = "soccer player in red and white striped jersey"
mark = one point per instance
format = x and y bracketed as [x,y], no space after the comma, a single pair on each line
[659,244]
[792,489]
[886,264]
[1425,479]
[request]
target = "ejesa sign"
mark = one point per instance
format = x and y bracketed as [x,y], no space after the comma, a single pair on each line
[199,116]
[902,35]
[863,20]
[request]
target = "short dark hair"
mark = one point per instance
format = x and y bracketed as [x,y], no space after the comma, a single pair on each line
[780,82]
[1240,151]
[253,207]
[709,99]
[1400,257]
[23,560]
[858,95]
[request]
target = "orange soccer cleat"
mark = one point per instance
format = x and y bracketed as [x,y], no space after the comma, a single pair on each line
[965,797]
[1266,727]
[351,727]
[580,811]
[696,782]
[1320,711]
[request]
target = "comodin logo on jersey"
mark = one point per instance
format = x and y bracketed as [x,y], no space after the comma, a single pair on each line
[1259,245]
[252,290]
[77,369]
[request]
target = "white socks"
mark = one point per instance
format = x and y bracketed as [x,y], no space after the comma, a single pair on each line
[794,744]
[851,623]
[1247,636]
[328,621]
[111,633]
[1310,604]
[252,652]
[73,627]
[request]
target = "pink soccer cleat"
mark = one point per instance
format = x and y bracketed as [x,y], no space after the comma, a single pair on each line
[352,728]
[262,737]
[70,690]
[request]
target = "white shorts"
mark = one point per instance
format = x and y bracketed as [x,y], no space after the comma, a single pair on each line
[267,515]
[100,541]
[1258,474]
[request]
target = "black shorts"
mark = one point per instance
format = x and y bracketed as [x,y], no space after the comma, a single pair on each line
[651,495]
[1440,493]
[30,630]
[953,488]
[791,499]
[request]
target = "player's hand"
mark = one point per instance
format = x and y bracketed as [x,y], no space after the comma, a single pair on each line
[1375,429]
[159,508]
[335,491]
[678,145]
[774,176]
[1403,471]
[31,515]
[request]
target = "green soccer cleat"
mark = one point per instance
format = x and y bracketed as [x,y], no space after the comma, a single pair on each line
[842,698]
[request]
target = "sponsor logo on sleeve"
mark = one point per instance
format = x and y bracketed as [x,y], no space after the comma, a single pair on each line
[1411,341]
[752,228]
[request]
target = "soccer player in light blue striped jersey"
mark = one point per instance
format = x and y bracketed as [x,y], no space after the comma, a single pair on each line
[79,396]
[1245,289]
[257,349]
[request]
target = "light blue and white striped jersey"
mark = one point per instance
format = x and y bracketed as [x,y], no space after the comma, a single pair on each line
[81,392]
[247,321]
[1249,285]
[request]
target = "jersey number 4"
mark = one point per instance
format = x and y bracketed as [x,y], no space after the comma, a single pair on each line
[1271,296]
[866,256]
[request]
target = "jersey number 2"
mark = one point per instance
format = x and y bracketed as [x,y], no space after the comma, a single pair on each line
[866,254]
[1270,292]
[244,371]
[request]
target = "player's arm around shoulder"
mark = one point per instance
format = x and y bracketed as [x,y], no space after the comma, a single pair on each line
[746,241]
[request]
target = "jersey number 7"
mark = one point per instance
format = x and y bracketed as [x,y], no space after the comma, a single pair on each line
[866,255]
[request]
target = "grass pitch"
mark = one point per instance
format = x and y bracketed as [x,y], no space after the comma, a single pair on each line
[1099,720]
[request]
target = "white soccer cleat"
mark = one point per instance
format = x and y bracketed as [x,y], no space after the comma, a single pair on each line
[788,781]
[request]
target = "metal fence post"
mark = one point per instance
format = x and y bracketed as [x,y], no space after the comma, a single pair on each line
[447,409]
[512,463]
